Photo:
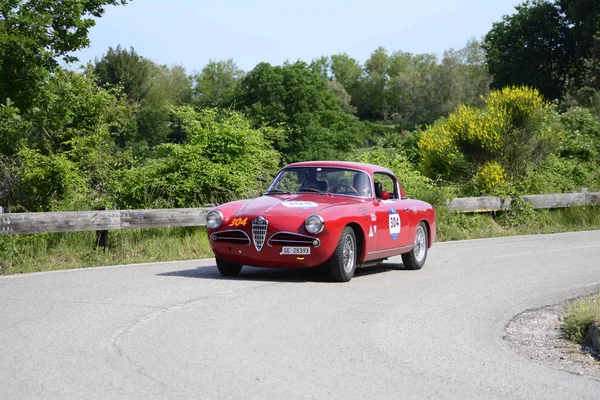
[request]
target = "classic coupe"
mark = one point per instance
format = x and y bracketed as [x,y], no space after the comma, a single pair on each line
[339,215]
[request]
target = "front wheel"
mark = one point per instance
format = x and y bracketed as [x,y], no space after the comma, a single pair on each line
[228,269]
[343,263]
[417,256]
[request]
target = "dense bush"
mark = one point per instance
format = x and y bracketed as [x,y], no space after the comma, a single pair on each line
[581,135]
[222,159]
[61,155]
[558,175]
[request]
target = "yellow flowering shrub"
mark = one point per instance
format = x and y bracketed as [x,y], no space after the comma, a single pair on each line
[439,149]
[475,129]
[508,132]
[514,105]
[490,178]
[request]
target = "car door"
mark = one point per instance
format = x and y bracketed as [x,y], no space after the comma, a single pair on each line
[393,216]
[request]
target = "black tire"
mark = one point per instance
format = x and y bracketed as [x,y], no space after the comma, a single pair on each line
[417,256]
[228,269]
[343,263]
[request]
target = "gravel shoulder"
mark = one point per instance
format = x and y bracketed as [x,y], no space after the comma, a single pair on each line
[536,334]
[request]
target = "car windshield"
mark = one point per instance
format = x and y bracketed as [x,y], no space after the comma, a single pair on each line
[324,180]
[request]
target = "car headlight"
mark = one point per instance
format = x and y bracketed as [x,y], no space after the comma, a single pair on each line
[314,224]
[214,219]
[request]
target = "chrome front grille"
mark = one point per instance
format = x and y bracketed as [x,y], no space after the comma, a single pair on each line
[259,232]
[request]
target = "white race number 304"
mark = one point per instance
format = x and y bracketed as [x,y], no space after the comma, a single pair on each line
[394,220]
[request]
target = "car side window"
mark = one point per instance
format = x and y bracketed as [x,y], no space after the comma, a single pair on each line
[386,182]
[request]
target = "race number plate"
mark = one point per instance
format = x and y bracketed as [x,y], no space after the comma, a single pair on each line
[295,250]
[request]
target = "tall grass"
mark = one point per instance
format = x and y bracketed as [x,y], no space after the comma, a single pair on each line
[458,226]
[579,316]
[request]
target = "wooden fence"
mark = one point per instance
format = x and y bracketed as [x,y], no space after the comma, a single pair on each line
[494,203]
[104,221]
[19,223]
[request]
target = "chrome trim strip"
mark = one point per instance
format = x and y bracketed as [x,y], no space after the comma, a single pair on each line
[294,234]
[232,230]
[390,249]
[293,241]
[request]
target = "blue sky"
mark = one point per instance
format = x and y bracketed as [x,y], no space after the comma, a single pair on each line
[191,32]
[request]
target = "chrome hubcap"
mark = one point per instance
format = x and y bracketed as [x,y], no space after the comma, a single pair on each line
[420,245]
[348,253]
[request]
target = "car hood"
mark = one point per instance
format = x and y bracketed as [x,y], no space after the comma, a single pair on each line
[292,205]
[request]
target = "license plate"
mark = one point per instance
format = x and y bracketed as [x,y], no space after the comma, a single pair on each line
[295,250]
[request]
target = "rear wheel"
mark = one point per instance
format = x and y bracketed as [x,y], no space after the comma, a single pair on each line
[343,263]
[417,256]
[228,269]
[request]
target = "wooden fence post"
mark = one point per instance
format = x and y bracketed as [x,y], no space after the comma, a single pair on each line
[102,237]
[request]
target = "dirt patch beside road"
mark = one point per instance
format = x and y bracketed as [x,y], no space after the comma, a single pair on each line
[536,334]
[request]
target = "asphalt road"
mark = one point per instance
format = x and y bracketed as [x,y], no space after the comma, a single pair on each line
[178,330]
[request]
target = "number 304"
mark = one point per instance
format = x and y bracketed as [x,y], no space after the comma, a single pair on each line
[239,222]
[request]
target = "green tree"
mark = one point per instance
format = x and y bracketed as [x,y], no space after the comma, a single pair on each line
[297,98]
[584,89]
[373,99]
[411,93]
[215,85]
[347,71]
[152,88]
[583,17]
[322,65]
[533,47]
[462,78]
[344,98]
[35,35]
[125,67]
[169,86]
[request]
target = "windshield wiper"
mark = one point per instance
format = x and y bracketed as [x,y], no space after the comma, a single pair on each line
[309,189]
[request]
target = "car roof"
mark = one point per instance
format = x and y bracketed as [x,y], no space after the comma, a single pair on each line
[368,168]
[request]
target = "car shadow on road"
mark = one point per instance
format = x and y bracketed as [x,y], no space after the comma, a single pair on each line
[315,275]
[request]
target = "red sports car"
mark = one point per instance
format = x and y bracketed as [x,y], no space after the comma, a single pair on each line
[342,215]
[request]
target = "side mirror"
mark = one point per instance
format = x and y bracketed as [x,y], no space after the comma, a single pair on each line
[385,195]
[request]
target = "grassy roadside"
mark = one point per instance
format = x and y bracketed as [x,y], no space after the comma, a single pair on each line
[43,252]
[54,251]
[579,315]
[527,222]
